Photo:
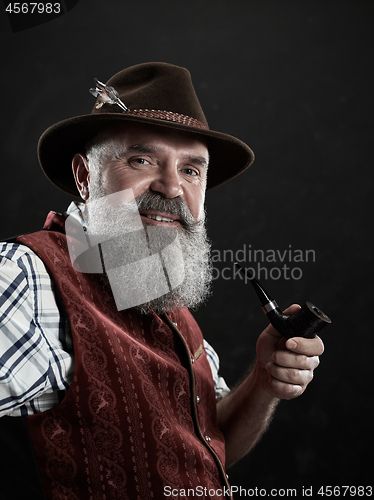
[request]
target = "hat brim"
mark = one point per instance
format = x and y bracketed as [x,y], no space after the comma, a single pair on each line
[59,143]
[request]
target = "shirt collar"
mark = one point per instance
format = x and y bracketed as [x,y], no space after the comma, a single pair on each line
[75,210]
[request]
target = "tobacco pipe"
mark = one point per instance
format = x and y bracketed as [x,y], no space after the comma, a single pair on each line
[306,322]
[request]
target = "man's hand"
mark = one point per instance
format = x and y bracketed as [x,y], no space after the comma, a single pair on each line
[283,370]
[285,367]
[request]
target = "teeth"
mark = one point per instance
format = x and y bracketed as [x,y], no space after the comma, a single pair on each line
[159,218]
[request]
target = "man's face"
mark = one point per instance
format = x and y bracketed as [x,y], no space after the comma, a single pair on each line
[166,173]
[154,160]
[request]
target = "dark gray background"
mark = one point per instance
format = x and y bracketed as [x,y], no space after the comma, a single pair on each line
[294,80]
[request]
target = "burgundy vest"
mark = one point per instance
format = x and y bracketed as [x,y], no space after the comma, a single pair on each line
[139,419]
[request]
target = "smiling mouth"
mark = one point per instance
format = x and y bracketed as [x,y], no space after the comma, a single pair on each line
[159,218]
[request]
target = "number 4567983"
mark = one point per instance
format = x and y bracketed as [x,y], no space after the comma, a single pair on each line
[33,8]
[345,491]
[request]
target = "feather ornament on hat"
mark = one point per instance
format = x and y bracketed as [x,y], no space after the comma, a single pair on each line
[106,95]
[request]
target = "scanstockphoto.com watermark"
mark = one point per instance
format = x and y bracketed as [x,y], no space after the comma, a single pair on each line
[225,492]
[261,264]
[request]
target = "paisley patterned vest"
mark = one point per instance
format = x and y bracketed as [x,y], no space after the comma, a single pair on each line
[139,419]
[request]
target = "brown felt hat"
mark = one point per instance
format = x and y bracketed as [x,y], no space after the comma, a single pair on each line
[153,93]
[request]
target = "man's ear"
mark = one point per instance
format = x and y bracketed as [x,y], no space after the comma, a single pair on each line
[81,173]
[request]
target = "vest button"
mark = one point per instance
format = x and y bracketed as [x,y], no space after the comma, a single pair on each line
[207,439]
[198,399]
[192,360]
[175,323]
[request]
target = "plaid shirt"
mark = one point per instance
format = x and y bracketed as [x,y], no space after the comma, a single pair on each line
[36,348]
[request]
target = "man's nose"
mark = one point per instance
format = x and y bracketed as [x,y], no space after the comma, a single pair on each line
[167,182]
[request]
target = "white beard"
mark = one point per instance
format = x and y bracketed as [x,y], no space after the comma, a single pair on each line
[181,277]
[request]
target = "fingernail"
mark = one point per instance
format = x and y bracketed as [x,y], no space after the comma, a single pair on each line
[291,344]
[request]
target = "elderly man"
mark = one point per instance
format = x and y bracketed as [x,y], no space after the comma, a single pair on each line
[107,396]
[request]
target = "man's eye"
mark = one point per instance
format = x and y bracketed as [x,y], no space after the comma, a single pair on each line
[140,161]
[190,171]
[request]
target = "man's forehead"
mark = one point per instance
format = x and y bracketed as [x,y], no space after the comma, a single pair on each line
[146,138]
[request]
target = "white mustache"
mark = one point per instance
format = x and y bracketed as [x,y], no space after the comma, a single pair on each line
[176,206]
